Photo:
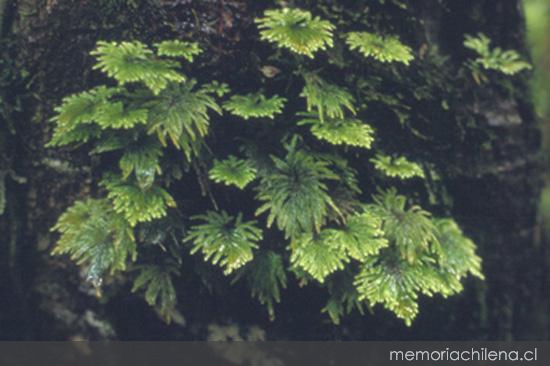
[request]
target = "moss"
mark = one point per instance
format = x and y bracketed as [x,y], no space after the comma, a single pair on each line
[426,110]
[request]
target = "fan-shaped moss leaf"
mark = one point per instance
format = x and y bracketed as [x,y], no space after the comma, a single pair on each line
[296,30]
[384,49]
[254,105]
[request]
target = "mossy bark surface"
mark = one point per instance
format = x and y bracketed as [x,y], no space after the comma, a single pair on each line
[485,142]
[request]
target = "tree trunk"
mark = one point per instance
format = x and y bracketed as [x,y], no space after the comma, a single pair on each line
[496,191]
[494,188]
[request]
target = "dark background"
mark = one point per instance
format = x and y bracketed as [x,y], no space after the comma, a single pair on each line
[495,191]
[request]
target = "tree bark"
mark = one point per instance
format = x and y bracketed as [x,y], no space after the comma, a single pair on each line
[495,190]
